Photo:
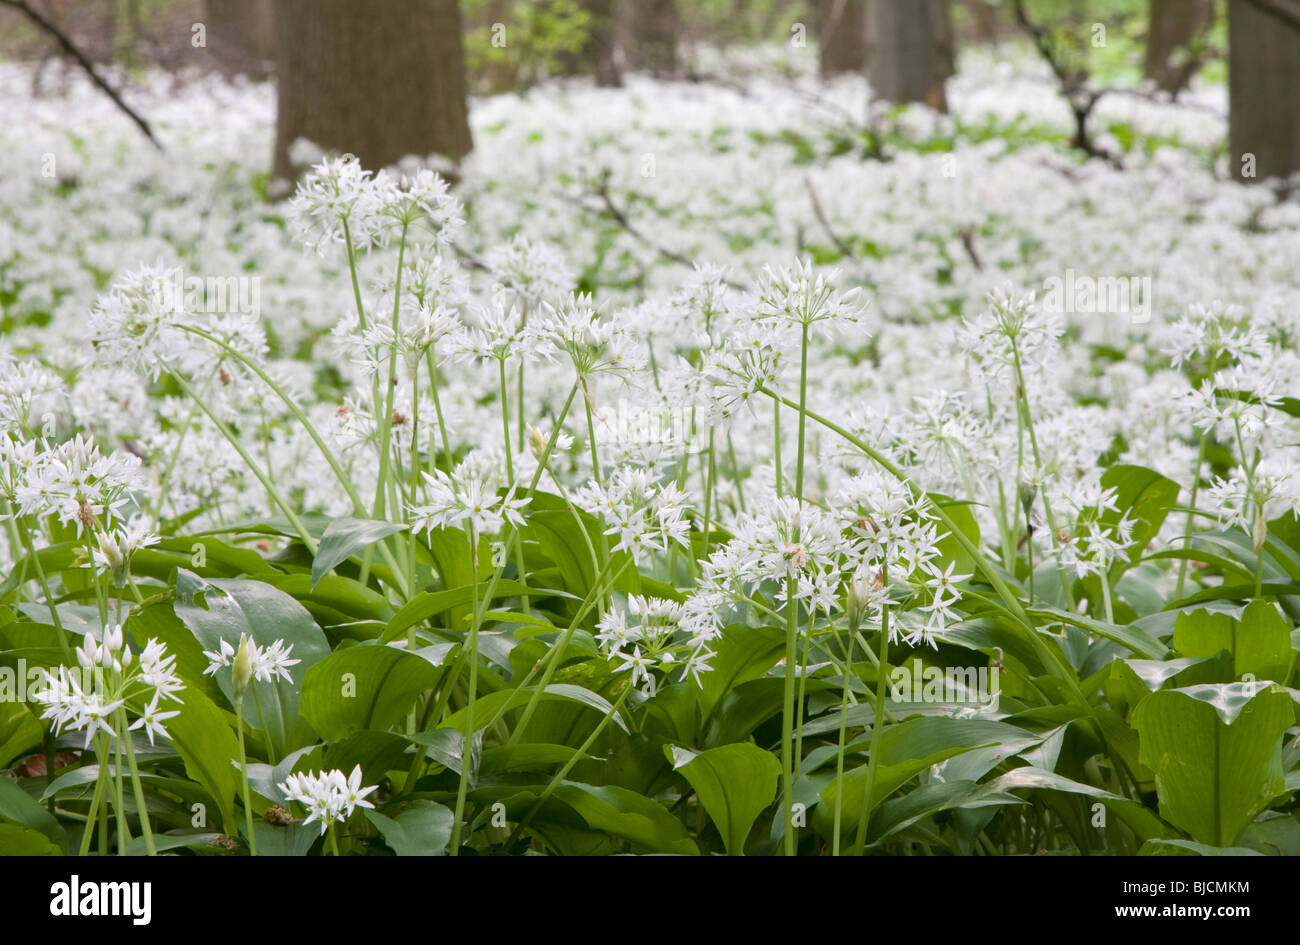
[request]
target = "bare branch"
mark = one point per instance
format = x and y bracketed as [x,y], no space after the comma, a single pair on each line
[821,218]
[71,49]
[1074,87]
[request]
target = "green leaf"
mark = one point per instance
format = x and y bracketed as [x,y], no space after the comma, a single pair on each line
[735,784]
[343,538]
[1147,497]
[20,731]
[627,814]
[1216,751]
[457,600]
[222,609]
[423,828]
[1143,823]
[488,707]
[23,841]
[19,807]
[1153,848]
[741,653]
[363,687]
[1260,642]
[208,746]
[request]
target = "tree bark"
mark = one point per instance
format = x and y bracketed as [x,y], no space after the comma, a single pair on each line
[1174,25]
[653,32]
[381,80]
[905,60]
[241,36]
[1263,79]
[842,36]
[597,54]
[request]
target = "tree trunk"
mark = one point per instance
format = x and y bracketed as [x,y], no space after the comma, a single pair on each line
[241,36]
[945,40]
[596,57]
[1174,26]
[905,61]
[842,36]
[1263,78]
[653,32]
[381,80]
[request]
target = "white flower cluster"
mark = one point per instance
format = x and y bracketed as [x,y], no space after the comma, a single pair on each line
[330,796]
[649,636]
[267,662]
[112,681]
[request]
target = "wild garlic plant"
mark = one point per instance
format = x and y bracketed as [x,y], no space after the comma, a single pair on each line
[551,528]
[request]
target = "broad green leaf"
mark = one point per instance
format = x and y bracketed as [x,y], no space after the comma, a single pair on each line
[423,828]
[208,746]
[741,653]
[19,807]
[1260,642]
[363,687]
[223,609]
[20,731]
[1216,751]
[432,603]
[735,783]
[1143,823]
[490,706]
[626,814]
[1161,848]
[16,840]
[343,538]
[1146,496]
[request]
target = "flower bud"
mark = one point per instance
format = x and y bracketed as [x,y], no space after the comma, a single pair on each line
[117,552]
[536,442]
[1259,534]
[242,666]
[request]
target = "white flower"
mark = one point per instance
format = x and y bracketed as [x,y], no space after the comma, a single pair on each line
[328,796]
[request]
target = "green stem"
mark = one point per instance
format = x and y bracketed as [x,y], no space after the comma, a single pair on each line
[95,800]
[877,727]
[839,753]
[137,788]
[243,774]
[271,490]
[467,745]
[568,765]
[789,763]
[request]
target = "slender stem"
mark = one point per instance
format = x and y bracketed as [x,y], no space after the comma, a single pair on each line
[803,408]
[776,443]
[271,490]
[803,687]
[95,801]
[568,765]
[591,432]
[386,421]
[789,763]
[877,728]
[709,484]
[243,774]
[467,745]
[555,656]
[839,753]
[136,788]
[119,800]
[35,558]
